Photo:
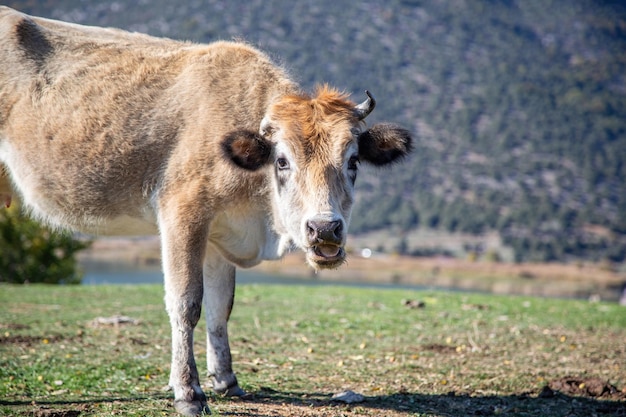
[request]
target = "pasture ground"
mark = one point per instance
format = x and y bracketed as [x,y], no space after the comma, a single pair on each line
[409,353]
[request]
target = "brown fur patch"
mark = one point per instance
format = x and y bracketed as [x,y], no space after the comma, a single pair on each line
[314,118]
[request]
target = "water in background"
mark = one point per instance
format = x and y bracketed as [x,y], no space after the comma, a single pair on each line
[101,274]
[104,273]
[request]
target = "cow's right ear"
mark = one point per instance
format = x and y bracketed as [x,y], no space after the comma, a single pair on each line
[384,143]
[247,149]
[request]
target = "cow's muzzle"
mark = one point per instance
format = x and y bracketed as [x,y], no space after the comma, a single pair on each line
[325,239]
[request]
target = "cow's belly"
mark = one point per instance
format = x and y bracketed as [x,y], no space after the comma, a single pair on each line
[67,203]
[120,225]
[123,226]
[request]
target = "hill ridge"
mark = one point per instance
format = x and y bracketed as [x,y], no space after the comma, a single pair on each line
[519,107]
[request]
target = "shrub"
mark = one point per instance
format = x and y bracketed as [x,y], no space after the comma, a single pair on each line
[30,252]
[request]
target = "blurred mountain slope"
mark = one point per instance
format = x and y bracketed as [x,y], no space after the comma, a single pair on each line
[519,107]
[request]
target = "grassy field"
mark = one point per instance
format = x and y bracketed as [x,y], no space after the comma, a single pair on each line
[409,353]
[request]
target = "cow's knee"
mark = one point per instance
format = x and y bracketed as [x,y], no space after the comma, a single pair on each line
[182,312]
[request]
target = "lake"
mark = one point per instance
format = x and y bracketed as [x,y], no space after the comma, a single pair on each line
[103,275]
[99,276]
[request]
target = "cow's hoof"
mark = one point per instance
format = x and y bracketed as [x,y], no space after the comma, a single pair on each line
[228,387]
[234,391]
[230,391]
[192,408]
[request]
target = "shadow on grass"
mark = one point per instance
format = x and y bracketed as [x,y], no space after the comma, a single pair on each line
[450,405]
[556,405]
[78,407]
[89,400]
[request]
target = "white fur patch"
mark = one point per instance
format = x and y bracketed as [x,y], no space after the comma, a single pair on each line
[245,238]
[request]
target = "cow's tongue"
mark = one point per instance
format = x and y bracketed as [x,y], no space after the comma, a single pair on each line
[328,251]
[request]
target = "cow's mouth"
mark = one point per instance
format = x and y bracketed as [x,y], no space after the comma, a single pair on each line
[326,256]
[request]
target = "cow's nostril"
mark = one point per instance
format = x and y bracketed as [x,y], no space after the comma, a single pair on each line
[324,231]
[311,228]
[338,228]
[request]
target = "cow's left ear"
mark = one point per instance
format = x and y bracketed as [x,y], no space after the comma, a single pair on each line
[247,149]
[384,143]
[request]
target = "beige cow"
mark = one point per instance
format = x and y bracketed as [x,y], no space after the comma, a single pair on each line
[211,146]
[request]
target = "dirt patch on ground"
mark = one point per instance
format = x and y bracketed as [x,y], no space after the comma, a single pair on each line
[28,341]
[583,387]
[13,326]
[439,348]
[55,413]
[43,411]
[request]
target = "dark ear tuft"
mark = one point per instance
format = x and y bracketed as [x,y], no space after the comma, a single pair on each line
[384,143]
[246,149]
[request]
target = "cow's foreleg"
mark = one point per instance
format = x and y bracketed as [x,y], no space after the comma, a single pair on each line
[182,262]
[219,292]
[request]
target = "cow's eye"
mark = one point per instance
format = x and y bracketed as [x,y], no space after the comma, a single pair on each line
[282,164]
[353,163]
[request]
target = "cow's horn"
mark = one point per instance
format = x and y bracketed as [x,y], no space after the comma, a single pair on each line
[365,108]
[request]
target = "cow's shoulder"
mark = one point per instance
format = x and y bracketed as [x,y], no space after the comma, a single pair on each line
[10,17]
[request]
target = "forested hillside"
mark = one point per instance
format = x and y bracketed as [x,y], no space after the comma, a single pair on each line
[519,107]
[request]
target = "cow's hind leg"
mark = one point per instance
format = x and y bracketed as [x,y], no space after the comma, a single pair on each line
[182,264]
[219,292]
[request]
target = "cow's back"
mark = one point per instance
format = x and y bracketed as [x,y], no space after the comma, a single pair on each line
[92,120]
[76,111]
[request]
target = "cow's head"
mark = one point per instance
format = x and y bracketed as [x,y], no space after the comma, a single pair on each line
[314,146]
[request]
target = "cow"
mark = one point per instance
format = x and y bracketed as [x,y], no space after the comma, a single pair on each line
[212,146]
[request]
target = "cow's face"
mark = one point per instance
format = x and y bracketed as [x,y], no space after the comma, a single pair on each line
[313,147]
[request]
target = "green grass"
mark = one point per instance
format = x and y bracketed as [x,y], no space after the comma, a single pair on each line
[294,346]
